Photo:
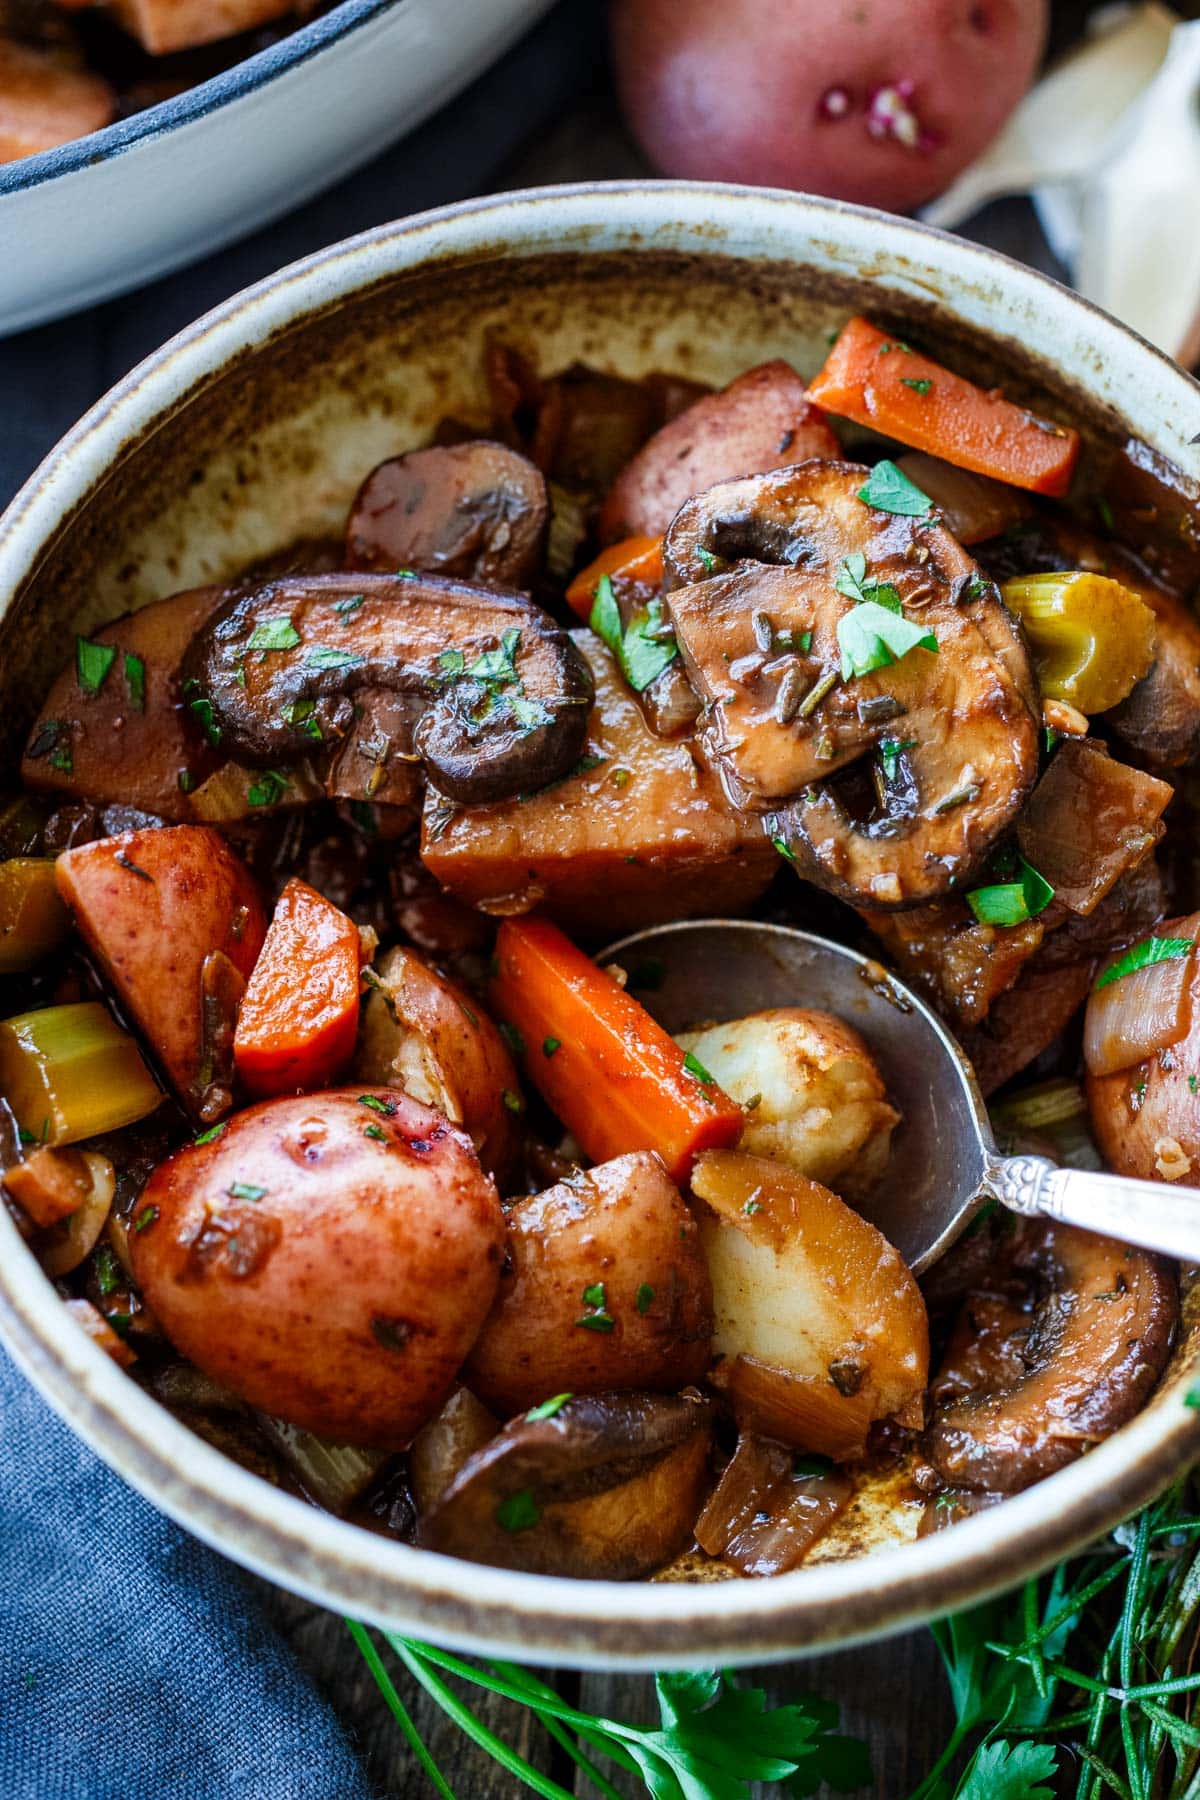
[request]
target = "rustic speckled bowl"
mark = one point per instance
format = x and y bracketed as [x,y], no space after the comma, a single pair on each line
[254,427]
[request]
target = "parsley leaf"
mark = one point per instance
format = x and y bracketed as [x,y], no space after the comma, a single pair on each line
[888,489]
[269,789]
[135,680]
[274,634]
[853,581]
[1004,1771]
[1012,902]
[889,754]
[325,658]
[921,385]
[695,1067]
[92,663]
[519,1512]
[873,636]
[497,666]
[638,648]
[547,1408]
[1150,950]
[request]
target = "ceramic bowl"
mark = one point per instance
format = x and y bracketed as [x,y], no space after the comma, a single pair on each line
[116,209]
[254,427]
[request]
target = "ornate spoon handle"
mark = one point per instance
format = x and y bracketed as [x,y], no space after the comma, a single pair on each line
[1157,1215]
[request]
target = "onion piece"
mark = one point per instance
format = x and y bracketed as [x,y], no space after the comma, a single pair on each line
[78,1235]
[805,1411]
[769,1507]
[974,507]
[101,1332]
[1130,1019]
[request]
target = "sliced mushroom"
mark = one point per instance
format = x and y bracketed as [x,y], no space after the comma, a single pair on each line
[506,694]
[1030,1383]
[605,1488]
[770,1506]
[754,568]
[477,510]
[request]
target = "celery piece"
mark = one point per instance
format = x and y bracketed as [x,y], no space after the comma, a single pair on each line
[1092,638]
[33,920]
[69,1072]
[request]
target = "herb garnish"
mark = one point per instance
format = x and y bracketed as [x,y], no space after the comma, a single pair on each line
[135,680]
[695,1067]
[512,1038]
[920,386]
[805,1468]
[202,709]
[888,489]
[386,1107]
[644,1298]
[348,606]
[518,1512]
[784,848]
[213,1132]
[269,789]
[376,1132]
[300,713]
[146,1217]
[274,634]
[550,1045]
[245,1190]
[890,750]
[873,636]
[1012,902]
[514,1103]
[108,1270]
[547,1408]
[643,648]
[598,1317]
[707,560]
[1150,950]
[92,663]
[323,657]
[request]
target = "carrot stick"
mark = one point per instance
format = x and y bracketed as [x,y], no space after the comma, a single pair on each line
[612,1075]
[633,559]
[299,1015]
[878,381]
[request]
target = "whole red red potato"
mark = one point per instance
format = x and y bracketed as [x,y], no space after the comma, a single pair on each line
[879,101]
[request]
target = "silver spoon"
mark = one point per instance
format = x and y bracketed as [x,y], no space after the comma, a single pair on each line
[944,1165]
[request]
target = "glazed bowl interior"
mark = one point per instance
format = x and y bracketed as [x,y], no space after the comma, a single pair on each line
[254,429]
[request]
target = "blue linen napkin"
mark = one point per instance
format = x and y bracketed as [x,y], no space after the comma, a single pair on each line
[133,1662]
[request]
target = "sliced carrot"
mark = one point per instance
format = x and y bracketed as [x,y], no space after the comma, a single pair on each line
[613,1076]
[878,381]
[633,559]
[299,1015]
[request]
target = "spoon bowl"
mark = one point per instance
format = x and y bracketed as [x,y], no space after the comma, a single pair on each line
[944,1165]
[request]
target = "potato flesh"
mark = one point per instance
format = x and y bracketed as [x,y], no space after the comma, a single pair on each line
[822,1108]
[804,1284]
[642,836]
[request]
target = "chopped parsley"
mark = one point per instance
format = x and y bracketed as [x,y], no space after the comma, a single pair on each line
[548,1408]
[386,1107]
[201,707]
[324,657]
[300,714]
[92,663]
[706,559]
[518,1512]
[890,750]
[873,636]
[269,789]
[550,1045]
[1012,902]
[245,1190]
[696,1068]
[640,649]
[376,1132]
[888,489]
[644,1299]
[452,664]
[784,848]
[598,1318]
[135,680]
[108,1270]
[210,1136]
[1150,950]
[512,1038]
[855,584]
[146,1217]
[497,666]
[274,634]
[347,607]
[921,385]
[512,1101]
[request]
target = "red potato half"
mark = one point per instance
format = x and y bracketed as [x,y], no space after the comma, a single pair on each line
[330,1260]
[176,924]
[883,103]
[761,421]
[604,1290]
[821,1322]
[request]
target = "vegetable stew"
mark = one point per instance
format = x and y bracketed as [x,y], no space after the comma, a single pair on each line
[334,1125]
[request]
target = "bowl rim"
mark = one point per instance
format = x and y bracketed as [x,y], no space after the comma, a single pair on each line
[241,78]
[475,1607]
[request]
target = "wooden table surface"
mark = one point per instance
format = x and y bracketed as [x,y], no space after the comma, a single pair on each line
[544,115]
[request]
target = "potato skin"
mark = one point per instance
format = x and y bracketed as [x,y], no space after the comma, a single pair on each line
[1134,1111]
[154,906]
[420,1032]
[621,1223]
[344,1296]
[760,421]
[780,94]
[823,1109]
